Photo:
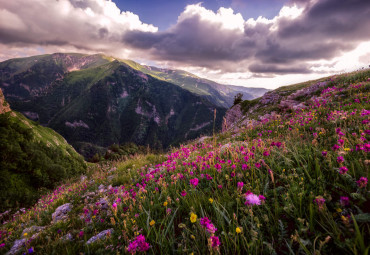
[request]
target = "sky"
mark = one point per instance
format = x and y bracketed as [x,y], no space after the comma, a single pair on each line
[258,43]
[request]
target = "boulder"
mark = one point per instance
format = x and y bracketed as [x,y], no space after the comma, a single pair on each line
[99,236]
[61,212]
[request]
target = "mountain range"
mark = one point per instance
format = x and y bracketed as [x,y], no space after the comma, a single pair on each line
[95,101]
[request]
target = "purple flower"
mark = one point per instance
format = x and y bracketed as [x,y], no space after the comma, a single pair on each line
[2,245]
[335,147]
[252,199]
[340,159]
[30,250]
[320,201]
[343,170]
[362,182]
[138,244]
[258,165]
[240,185]
[215,241]
[204,221]
[194,182]
[324,153]
[344,201]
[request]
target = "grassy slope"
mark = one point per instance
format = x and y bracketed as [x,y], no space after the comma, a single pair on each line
[31,158]
[305,211]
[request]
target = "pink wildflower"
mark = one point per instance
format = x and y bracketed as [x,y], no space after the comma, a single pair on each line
[344,201]
[215,241]
[343,170]
[194,182]
[362,182]
[252,199]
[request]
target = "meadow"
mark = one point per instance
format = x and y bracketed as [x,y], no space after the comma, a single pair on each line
[296,183]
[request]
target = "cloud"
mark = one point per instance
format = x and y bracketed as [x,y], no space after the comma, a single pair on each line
[301,35]
[309,31]
[84,24]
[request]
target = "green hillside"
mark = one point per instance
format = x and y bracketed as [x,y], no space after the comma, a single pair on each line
[32,158]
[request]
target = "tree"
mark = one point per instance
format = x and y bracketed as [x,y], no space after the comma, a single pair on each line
[238,98]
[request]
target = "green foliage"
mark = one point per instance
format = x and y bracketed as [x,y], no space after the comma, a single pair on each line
[29,163]
[238,98]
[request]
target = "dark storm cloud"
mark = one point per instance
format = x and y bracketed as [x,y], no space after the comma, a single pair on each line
[324,30]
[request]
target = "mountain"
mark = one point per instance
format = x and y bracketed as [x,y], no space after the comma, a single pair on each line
[95,101]
[32,157]
[219,94]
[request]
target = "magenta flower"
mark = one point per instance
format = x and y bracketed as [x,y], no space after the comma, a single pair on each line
[114,205]
[215,241]
[324,153]
[258,165]
[320,201]
[2,245]
[138,244]
[335,147]
[204,221]
[194,182]
[252,199]
[344,201]
[266,153]
[343,170]
[340,159]
[362,182]
[183,193]
[240,185]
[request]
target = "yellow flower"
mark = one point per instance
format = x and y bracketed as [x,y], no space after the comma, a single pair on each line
[193,217]
[25,234]
[238,230]
[165,203]
[339,210]
[347,149]
[210,200]
[192,237]
[152,223]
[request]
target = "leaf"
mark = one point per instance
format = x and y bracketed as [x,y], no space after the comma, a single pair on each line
[363,217]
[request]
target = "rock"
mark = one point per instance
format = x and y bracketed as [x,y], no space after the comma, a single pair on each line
[99,236]
[67,237]
[18,244]
[202,139]
[103,203]
[231,117]
[33,230]
[61,212]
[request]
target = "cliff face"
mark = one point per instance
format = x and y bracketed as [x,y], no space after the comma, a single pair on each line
[4,106]
[273,105]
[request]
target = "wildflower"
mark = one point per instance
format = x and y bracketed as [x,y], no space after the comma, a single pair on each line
[340,159]
[194,182]
[165,203]
[193,218]
[81,234]
[324,153]
[238,230]
[362,182]
[335,147]
[183,193]
[30,250]
[252,199]
[258,165]
[215,241]
[343,170]
[138,244]
[266,153]
[344,201]
[25,234]
[204,221]
[240,186]
[192,237]
[114,206]
[210,200]
[168,211]
[320,201]
[152,223]
[2,245]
